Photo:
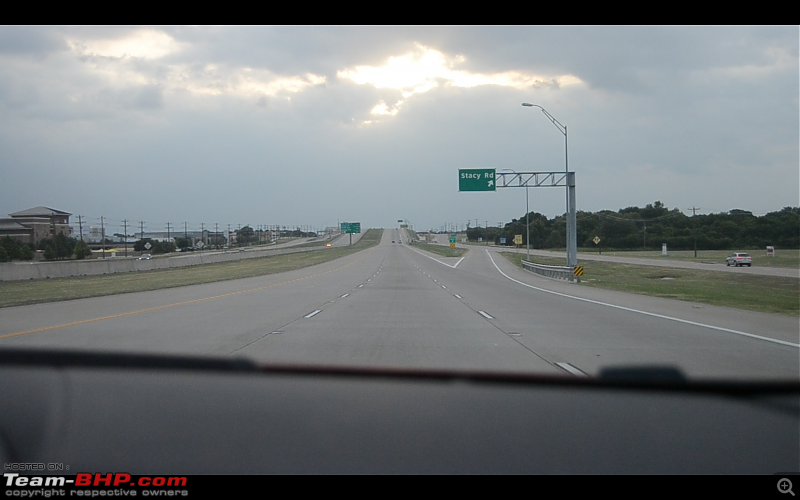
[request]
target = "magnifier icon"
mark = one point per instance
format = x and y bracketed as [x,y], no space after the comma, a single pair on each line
[785,486]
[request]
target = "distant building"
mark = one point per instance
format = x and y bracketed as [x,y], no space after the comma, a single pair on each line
[93,234]
[35,224]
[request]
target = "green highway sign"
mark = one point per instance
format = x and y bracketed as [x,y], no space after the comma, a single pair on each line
[452,238]
[351,227]
[476,179]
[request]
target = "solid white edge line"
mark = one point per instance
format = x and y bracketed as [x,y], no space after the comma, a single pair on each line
[571,369]
[437,260]
[312,314]
[485,315]
[686,321]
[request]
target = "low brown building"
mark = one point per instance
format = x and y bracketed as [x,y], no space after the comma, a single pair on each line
[35,224]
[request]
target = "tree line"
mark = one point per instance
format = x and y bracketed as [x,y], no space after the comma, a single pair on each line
[648,227]
[59,247]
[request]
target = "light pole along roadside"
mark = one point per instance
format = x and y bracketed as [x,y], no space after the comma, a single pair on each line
[572,233]
[527,222]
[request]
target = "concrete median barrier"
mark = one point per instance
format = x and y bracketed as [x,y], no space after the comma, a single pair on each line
[15,271]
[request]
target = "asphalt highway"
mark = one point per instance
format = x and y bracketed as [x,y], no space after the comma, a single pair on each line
[396,306]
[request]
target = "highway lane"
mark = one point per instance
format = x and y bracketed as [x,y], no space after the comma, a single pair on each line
[214,318]
[587,328]
[393,305]
[398,317]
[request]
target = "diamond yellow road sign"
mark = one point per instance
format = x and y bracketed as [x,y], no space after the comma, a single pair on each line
[596,240]
[518,239]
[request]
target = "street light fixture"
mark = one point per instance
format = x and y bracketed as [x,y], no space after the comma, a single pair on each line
[527,223]
[571,259]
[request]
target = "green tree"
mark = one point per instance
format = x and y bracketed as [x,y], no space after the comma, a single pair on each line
[11,248]
[182,242]
[245,235]
[160,247]
[82,250]
[25,252]
[61,247]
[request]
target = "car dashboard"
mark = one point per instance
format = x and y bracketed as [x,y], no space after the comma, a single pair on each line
[149,414]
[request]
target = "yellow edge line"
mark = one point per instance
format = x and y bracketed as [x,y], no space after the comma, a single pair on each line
[176,304]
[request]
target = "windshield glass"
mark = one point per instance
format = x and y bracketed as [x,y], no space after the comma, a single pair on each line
[460,198]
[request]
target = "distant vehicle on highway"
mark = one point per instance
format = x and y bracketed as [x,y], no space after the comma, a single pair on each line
[739,259]
[145,256]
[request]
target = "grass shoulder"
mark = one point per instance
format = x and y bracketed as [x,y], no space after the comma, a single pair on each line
[782,257]
[441,250]
[770,294]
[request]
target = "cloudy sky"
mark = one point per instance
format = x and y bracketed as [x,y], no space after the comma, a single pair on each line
[310,125]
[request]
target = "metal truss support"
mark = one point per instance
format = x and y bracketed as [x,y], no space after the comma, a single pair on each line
[549,179]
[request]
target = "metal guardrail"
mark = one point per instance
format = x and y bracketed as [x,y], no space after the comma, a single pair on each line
[557,272]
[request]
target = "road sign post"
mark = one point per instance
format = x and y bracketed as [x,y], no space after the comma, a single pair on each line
[489,180]
[351,228]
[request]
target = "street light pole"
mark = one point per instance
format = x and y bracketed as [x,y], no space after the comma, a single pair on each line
[527,223]
[572,257]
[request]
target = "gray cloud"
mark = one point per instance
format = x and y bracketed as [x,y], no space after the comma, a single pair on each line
[689,116]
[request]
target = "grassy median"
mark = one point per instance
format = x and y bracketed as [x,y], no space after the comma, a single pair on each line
[770,294]
[15,293]
[441,249]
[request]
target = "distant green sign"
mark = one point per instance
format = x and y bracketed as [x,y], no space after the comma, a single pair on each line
[476,179]
[351,227]
[452,238]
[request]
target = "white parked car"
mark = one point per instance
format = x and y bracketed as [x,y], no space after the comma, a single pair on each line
[145,256]
[739,259]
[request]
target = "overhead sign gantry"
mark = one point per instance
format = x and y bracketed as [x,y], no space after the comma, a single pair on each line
[488,179]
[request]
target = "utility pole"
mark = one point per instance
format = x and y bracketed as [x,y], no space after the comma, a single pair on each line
[694,238]
[141,230]
[216,235]
[55,240]
[229,235]
[125,230]
[202,233]
[102,237]
[80,225]
[645,234]
[185,230]
[167,232]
